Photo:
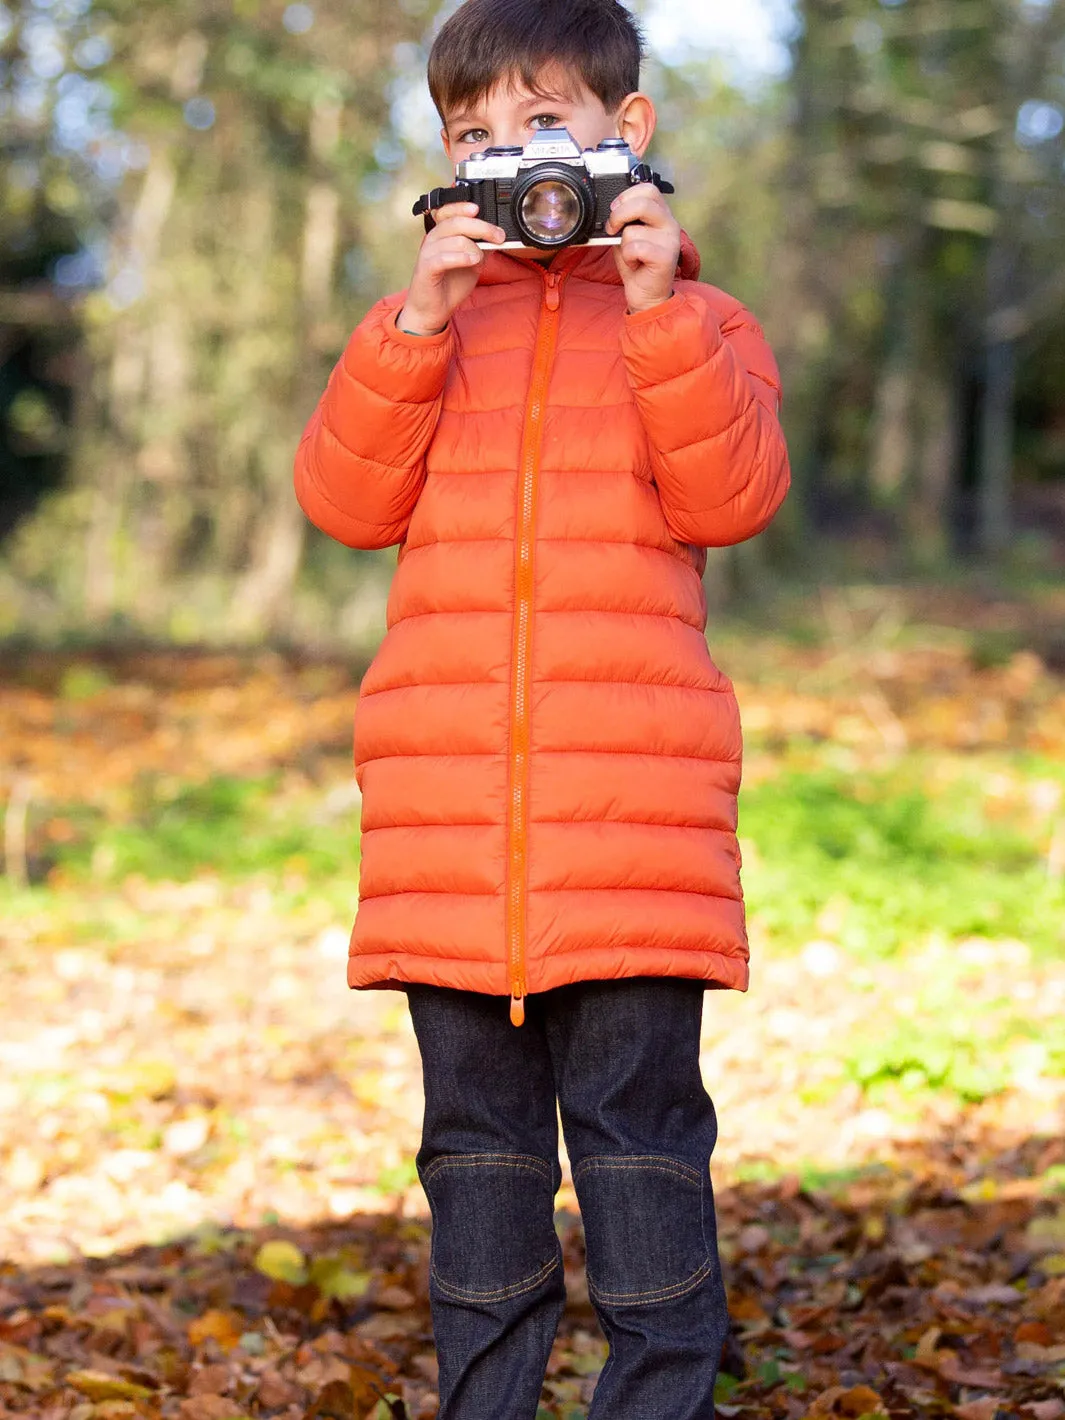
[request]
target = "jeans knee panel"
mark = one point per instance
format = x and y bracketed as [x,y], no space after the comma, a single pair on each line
[493,1232]
[644,1231]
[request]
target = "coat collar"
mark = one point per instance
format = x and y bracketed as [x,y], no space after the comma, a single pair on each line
[589,263]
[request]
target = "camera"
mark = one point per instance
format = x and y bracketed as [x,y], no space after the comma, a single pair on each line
[547,195]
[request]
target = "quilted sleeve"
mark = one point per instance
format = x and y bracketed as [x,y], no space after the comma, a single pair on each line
[708,392]
[360,465]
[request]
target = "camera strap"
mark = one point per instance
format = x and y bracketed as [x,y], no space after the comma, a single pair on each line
[440,197]
[643,172]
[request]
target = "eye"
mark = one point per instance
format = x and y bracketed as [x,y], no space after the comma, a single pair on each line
[546,120]
[474,135]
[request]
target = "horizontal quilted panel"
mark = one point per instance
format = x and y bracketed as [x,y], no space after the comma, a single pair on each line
[432,719]
[451,858]
[637,788]
[596,856]
[448,648]
[602,718]
[579,575]
[434,790]
[477,577]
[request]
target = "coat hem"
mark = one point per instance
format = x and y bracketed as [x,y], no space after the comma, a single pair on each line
[387,972]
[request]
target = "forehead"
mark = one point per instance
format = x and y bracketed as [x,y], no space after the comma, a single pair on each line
[555,83]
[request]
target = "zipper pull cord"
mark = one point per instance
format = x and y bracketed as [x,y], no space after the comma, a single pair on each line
[517,1010]
[553,296]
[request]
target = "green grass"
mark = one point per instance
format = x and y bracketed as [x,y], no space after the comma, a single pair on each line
[884,865]
[894,862]
[888,860]
[233,827]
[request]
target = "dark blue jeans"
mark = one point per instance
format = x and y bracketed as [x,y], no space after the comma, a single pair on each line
[622,1059]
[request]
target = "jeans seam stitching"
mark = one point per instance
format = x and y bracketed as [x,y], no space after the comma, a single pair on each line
[660,1294]
[512,1161]
[501,1294]
[628,1161]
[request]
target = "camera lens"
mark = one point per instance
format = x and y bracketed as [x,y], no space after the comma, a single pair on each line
[551,212]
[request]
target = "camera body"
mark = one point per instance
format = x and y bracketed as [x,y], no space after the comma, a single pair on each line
[548,195]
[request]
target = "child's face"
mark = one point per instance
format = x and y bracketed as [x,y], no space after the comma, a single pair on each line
[509,114]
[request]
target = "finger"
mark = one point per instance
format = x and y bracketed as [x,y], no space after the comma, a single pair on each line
[645,210]
[466,225]
[453,252]
[640,250]
[640,204]
[454,209]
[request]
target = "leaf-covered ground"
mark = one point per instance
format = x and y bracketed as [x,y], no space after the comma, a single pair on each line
[208,1206]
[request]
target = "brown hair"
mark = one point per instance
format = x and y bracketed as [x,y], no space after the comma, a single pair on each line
[485,41]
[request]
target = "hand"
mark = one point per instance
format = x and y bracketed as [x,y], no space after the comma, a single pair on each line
[648,255]
[448,267]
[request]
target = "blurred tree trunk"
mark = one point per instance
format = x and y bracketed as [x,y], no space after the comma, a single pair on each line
[120,438]
[914,110]
[1024,49]
[224,312]
[265,590]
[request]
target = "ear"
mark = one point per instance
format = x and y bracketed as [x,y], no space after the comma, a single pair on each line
[636,122]
[446,142]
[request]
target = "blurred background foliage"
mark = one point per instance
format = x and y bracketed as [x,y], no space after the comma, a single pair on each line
[201,197]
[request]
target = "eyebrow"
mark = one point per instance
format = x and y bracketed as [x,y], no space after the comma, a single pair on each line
[472,116]
[546,99]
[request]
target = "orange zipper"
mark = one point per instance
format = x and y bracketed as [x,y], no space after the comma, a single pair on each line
[546,337]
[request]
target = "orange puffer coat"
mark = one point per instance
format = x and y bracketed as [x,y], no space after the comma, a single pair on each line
[548,756]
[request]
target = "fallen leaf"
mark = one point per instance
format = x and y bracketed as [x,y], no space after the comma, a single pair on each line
[953,1367]
[995,1293]
[754,1238]
[984,1408]
[98,1385]
[367,1386]
[209,1407]
[335,1402]
[860,1400]
[746,1310]
[1044,1355]
[1034,1331]
[927,1354]
[24,1368]
[823,1404]
[275,1392]
[1047,1233]
[209,1380]
[226,1328]
[1045,1409]
[852,1402]
[798,1340]
[282,1262]
[427,1364]
[334,1279]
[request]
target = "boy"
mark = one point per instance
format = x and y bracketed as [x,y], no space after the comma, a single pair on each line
[549,759]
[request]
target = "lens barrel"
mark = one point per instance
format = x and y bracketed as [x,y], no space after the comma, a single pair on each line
[552,206]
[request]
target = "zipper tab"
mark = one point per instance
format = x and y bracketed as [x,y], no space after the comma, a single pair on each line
[553,296]
[517,1011]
